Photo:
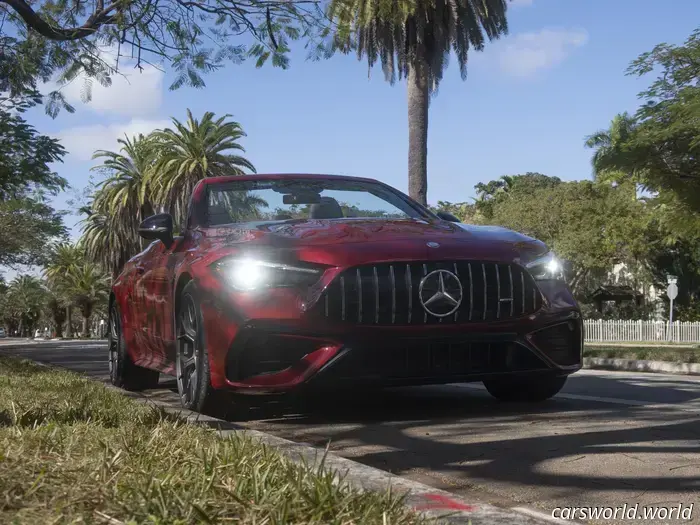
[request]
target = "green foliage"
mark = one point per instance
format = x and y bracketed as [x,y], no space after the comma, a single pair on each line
[497,191]
[403,34]
[22,304]
[86,286]
[74,281]
[658,146]
[25,159]
[592,226]
[464,211]
[76,452]
[190,152]
[156,173]
[47,40]
[28,226]
[27,222]
[656,150]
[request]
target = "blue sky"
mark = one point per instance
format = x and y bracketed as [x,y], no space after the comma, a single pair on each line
[528,102]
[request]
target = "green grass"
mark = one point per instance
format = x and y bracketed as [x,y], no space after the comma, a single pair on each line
[73,451]
[651,353]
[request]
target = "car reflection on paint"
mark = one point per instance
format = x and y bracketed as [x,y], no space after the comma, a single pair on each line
[285,282]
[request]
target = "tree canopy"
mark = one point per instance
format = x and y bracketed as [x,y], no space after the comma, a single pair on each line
[659,145]
[27,222]
[47,40]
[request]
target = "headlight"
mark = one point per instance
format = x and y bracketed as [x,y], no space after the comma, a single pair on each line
[247,274]
[546,268]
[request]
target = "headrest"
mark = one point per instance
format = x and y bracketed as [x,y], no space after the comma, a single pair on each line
[328,208]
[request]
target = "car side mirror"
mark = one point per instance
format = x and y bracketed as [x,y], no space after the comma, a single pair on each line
[158,227]
[447,216]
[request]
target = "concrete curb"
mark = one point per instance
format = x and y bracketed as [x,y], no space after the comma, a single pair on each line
[438,505]
[638,365]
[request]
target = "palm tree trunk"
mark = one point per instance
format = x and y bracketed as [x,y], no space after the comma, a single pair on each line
[69,333]
[418,101]
[86,332]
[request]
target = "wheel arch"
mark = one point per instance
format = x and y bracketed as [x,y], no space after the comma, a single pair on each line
[183,279]
[110,303]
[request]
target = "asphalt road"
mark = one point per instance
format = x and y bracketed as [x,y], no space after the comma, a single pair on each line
[609,439]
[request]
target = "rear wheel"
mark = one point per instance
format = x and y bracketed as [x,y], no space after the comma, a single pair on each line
[528,389]
[123,373]
[193,371]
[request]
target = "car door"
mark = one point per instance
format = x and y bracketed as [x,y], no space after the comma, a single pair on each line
[158,281]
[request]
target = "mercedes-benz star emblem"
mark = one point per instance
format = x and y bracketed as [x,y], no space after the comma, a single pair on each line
[440,293]
[432,244]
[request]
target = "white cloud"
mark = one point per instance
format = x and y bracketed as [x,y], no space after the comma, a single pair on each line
[82,141]
[525,54]
[133,93]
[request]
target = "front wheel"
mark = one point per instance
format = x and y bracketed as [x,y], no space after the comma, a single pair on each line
[193,371]
[528,389]
[123,373]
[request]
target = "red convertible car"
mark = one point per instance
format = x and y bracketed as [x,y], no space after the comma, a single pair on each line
[283,282]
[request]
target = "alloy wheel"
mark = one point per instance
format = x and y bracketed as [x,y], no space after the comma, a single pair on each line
[188,351]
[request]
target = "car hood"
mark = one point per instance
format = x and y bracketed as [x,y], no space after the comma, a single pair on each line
[380,239]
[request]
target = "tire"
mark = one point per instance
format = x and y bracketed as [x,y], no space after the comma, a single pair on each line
[123,373]
[527,389]
[193,372]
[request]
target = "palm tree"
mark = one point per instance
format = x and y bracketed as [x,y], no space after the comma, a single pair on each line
[124,196]
[63,259]
[190,152]
[613,159]
[107,241]
[26,297]
[88,286]
[414,40]
[56,310]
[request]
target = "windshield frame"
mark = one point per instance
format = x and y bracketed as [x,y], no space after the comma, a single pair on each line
[382,191]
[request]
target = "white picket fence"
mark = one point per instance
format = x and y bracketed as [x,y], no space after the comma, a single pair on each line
[641,331]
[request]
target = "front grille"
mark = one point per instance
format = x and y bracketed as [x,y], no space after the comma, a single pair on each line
[416,358]
[389,294]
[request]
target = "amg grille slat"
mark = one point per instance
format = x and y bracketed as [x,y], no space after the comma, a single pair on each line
[471,292]
[425,314]
[390,294]
[512,295]
[376,295]
[392,280]
[522,286]
[457,274]
[359,296]
[409,286]
[486,300]
[498,291]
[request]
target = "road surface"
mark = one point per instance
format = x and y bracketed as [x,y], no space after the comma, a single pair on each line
[609,439]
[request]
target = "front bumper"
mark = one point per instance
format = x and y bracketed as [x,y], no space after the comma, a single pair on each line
[269,356]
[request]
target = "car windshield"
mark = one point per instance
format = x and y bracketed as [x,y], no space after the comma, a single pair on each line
[278,200]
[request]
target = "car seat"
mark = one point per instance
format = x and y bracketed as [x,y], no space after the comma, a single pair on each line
[218,215]
[328,208]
